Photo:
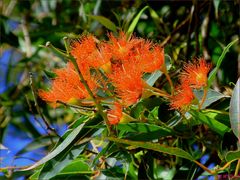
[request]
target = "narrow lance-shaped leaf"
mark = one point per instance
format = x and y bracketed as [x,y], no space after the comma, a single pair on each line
[60,148]
[216,5]
[78,166]
[213,73]
[155,147]
[57,164]
[215,125]
[135,21]
[234,111]
[105,22]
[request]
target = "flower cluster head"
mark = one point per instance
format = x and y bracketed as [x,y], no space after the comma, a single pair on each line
[114,115]
[67,86]
[193,76]
[121,62]
[182,98]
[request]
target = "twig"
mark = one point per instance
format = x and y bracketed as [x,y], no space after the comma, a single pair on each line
[205,91]
[98,105]
[189,31]
[204,167]
[38,109]
[196,30]
[77,107]
[180,26]
[35,118]
[205,29]
[84,82]
[10,7]
[237,168]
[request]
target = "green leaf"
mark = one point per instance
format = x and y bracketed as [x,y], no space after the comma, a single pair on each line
[234,111]
[213,73]
[114,172]
[153,114]
[105,22]
[143,128]
[55,165]
[35,175]
[215,125]
[152,78]
[70,138]
[77,166]
[221,116]
[135,21]
[216,5]
[101,153]
[155,147]
[212,96]
[232,155]
[50,74]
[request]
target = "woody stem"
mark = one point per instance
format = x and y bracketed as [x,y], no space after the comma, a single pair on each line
[203,98]
[155,91]
[237,168]
[204,167]
[165,71]
[98,105]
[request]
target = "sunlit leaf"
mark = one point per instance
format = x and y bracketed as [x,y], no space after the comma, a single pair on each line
[234,111]
[232,155]
[55,165]
[50,74]
[105,22]
[77,166]
[215,125]
[59,148]
[135,21]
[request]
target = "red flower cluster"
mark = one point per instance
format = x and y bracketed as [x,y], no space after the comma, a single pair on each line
[194,75]
[114,115]
[67,86]
[122,60]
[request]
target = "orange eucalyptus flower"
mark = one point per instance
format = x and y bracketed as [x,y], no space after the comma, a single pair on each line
[67,86]
[195,74]
[128,83]
[151,58]
[87,53]
[114,115]
[182,98]
[121,47]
